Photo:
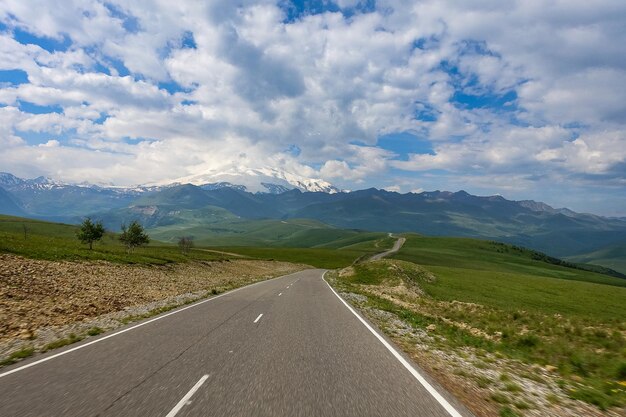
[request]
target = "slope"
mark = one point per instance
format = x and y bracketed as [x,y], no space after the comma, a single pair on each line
[612,256]
[8,204]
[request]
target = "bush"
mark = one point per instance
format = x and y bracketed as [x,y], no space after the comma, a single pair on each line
[528,341]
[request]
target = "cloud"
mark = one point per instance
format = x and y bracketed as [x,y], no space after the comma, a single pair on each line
[160,90]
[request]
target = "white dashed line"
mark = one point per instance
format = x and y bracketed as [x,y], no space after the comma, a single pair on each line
[159,317]
[258,318]
[280,293]
[185,400]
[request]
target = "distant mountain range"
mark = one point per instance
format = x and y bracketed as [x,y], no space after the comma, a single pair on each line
[210,209]
[259,180]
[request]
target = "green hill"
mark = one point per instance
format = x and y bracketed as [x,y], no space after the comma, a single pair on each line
[509,309]
[495,257]
[57,241]
[612,256]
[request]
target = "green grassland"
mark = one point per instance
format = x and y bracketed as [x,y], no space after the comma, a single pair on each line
[613,256]
[337,249]
[56,241]
[322,246]
[483,255]
[544,314]
[280,233]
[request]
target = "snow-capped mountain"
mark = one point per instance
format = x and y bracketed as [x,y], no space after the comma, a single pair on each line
[262,180]
[11,182]
[259,180]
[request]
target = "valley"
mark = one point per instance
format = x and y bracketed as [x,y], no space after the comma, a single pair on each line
[507,329]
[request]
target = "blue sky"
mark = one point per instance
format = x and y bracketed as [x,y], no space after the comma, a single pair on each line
[522,99]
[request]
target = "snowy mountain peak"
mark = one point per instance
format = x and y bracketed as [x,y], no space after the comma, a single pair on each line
[263,180]
[9,180]
[259,180]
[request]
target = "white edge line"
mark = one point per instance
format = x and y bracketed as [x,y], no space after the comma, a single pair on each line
[258,318]
[444,403]
[187,396]
[159,317]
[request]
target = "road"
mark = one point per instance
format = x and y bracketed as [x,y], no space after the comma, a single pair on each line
[285,347]
[396,247]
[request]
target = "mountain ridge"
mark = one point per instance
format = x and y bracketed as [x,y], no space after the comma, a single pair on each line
[537,225]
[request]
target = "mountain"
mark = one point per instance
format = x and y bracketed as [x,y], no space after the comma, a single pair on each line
[557,232]
[261,180]
[46,198]
[178,207]
[458,214]
[8,204]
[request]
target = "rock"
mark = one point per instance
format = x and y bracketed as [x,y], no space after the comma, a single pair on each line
[431,327]
[26,334]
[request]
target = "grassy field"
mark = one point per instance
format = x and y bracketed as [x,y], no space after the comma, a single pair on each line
[613,256]
[300,233]
[320,257]
[55,241]
[473,254]
[497,299]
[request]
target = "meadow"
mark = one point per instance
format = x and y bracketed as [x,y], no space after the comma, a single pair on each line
[498,299]
[56,241]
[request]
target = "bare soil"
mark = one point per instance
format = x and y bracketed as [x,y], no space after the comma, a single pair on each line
[41,301]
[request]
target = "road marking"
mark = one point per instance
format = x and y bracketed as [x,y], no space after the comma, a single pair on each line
[185,400]
[258,318]
[280,293]
[444,403]
[159,317]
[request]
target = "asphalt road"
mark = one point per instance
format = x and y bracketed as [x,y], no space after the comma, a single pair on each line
[285,347]
[396,247]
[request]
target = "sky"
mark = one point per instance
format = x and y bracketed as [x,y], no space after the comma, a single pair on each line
[526,99]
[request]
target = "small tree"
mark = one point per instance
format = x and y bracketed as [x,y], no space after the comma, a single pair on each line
[134,236]
[185,244]
[90,232]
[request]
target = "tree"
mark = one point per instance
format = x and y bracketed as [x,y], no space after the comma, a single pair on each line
[134,236]
[90,232]
[185,244]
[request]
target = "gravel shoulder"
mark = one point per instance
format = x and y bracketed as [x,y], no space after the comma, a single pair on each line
[489,384]
[46,303]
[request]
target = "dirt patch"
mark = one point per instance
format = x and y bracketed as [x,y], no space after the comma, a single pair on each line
[42,300]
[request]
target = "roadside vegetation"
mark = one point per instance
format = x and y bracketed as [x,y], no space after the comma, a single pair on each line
[531,336]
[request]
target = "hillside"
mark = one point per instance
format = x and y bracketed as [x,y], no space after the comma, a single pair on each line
[8,205]
[497,326]
[612,256]
[56,241]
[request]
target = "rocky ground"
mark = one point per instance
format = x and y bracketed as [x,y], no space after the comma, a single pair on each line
[42,302]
